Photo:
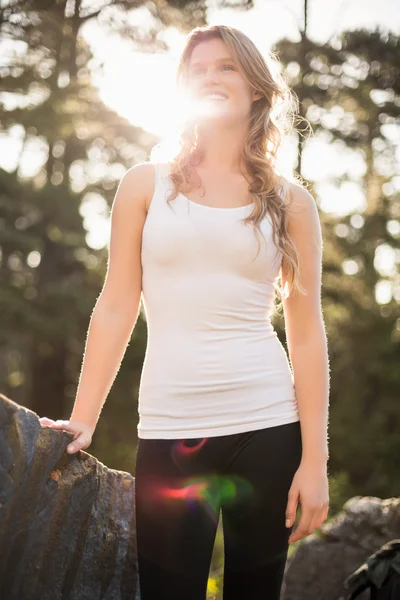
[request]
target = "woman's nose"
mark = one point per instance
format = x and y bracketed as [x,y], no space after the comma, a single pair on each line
[211,75]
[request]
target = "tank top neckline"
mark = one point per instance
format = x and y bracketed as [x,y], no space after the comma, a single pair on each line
[228,208]
[216,207]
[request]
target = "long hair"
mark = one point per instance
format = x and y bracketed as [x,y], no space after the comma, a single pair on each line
[271,116]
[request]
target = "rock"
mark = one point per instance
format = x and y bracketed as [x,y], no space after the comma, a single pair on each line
[380,574]
[322,561]
[67,521]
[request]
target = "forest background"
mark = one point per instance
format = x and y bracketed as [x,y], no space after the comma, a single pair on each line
[84,96]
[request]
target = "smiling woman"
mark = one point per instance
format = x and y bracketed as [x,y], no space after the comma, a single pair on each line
[215,371]
[215,58]
[224,425]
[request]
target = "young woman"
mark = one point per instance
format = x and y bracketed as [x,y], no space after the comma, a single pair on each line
[225,425]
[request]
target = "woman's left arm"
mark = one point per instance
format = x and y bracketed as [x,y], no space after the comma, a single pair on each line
[308,351]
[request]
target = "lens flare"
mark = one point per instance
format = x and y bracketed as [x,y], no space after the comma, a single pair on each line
[211,490]
[193,107]
[190,446]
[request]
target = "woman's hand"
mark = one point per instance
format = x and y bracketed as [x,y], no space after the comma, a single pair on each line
[310,487]
[82,433]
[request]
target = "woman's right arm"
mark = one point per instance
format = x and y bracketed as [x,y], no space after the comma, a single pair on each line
[117,307]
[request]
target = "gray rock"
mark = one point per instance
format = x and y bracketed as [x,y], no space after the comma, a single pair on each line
[322,561]
[380,574]
[67,521]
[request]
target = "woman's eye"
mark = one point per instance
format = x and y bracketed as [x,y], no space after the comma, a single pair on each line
[200,71]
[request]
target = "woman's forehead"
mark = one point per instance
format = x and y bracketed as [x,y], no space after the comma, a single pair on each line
[213,50]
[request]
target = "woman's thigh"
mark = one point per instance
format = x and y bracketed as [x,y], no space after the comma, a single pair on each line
[262,464]
[177,511]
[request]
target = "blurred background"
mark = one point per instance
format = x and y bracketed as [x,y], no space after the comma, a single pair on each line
[87,90]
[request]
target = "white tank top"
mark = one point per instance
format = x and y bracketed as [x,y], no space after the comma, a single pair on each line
[213,364]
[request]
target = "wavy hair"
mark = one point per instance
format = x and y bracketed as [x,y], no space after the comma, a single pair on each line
[271,116]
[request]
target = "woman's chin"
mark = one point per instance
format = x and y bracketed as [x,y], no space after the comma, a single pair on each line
[216,115]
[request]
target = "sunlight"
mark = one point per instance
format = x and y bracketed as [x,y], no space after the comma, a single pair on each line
[140,86]
[126,96]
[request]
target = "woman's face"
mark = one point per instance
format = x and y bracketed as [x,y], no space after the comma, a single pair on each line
[212,69]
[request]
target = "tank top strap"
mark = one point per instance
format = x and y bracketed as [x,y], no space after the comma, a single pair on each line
[283,189]
[162,170]
[161,182]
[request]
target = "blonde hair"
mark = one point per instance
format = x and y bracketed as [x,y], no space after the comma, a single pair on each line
[259,151]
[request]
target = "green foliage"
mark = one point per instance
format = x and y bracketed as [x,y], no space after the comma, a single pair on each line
[50,276]
[349,91]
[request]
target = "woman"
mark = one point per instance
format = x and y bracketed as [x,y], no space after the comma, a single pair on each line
[224,423]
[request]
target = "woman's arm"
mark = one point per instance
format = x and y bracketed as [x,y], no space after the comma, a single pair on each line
[305,330]
[117,308]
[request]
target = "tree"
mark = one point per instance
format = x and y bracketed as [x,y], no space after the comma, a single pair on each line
[349,91]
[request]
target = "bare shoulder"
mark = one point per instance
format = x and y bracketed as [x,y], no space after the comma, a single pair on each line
[136,187]
[297,197]
[301,207]
[123,282]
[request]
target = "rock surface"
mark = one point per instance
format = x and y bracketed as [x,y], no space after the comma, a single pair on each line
[322,561]
[67,521]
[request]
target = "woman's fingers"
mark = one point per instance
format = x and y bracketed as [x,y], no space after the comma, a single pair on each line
[82,433]
[67,425]
[317,519]
[291,508]
[311,519]
[302,529]
[325,514]
[59,424]
[46,422]
[80,443]
[70,426]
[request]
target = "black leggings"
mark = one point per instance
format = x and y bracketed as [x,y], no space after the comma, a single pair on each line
[181,485]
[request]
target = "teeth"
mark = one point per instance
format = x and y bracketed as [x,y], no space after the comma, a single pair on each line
[216,96]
